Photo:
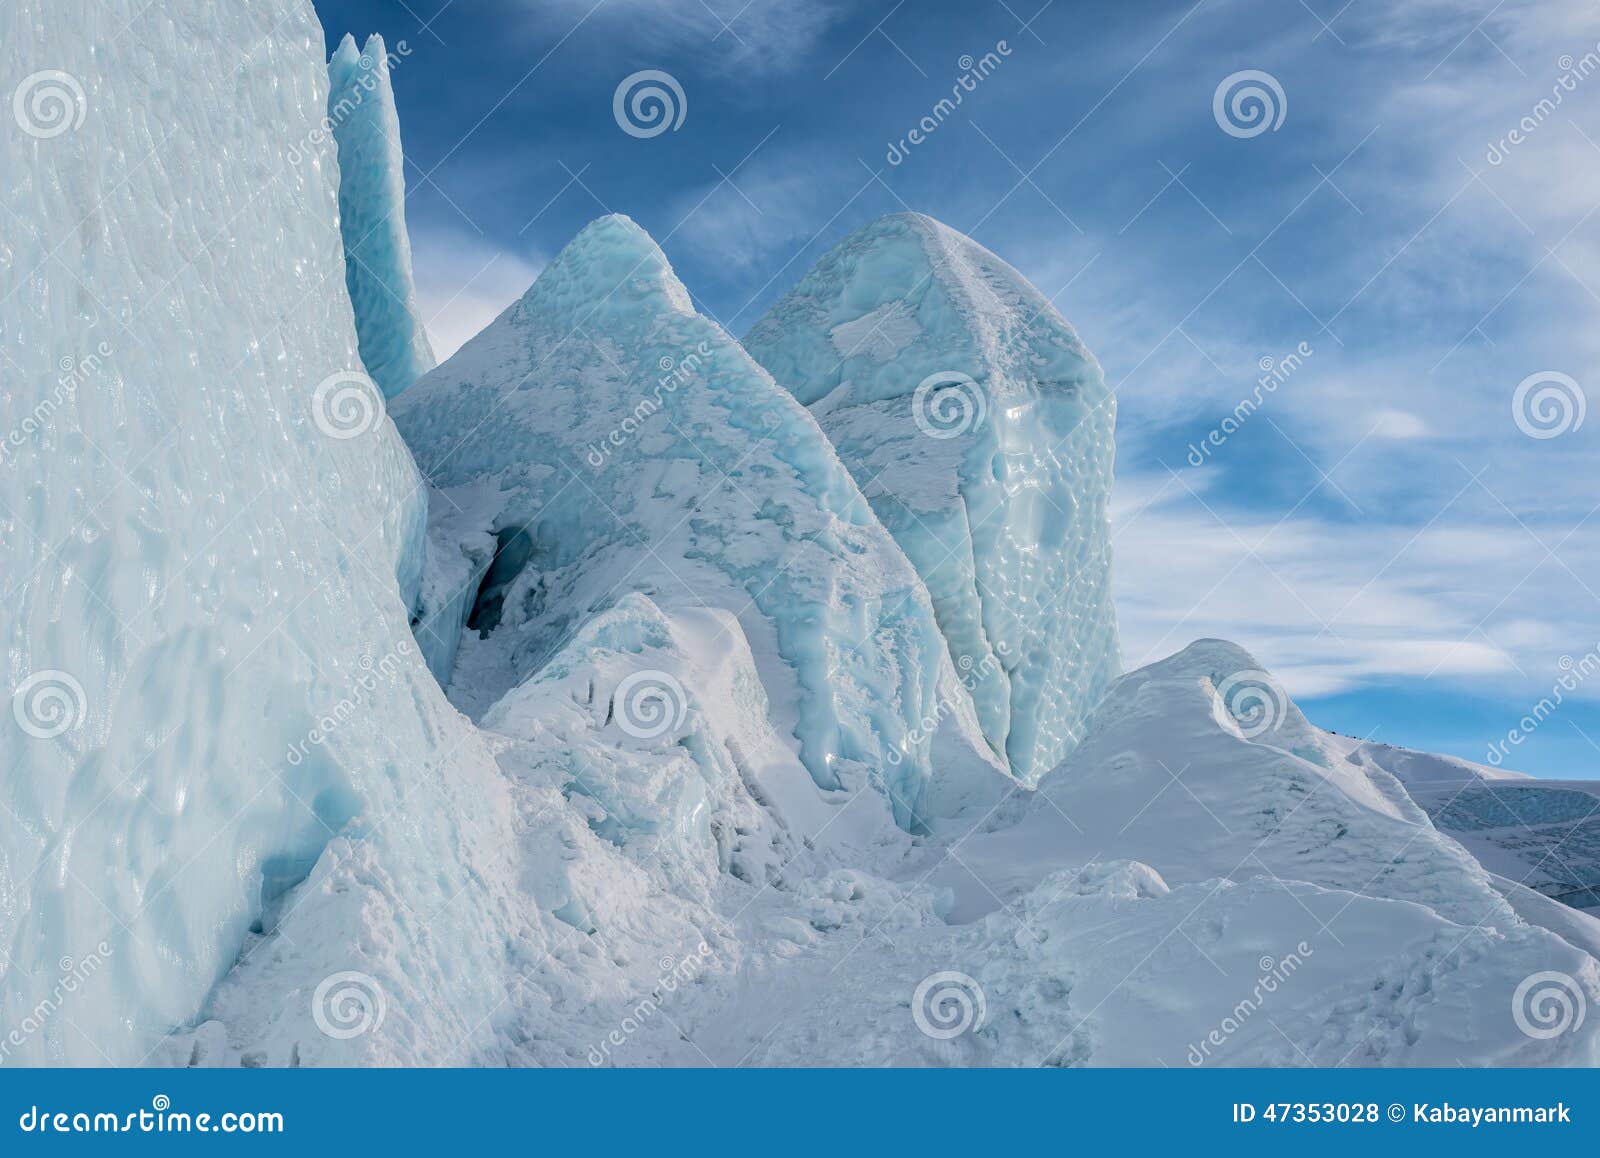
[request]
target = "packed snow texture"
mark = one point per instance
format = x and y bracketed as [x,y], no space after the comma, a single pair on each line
[372,215]
[245,798]
[636,447]
[980,430]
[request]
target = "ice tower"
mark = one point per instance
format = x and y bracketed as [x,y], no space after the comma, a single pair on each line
[372,215]
[980,429]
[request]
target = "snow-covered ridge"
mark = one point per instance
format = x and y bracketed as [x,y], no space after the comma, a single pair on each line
[980,430]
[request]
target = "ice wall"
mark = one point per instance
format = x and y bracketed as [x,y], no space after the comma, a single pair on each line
[203,513]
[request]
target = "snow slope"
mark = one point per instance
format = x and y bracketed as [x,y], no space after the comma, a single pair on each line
[1542,834]
[980,430]
[209,537]
[635,446]
[692,898]
[372,214]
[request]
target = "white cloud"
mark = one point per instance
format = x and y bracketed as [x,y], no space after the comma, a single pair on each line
[751,35]
[463,283]
[1398,425]
[1331,606]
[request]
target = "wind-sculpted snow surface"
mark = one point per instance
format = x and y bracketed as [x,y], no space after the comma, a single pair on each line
[372,214]
[637,447]
[204,518]
[980,430]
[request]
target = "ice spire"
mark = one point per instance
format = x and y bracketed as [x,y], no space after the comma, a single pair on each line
[372,193]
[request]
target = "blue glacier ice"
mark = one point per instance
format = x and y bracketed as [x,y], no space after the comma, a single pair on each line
[636,447]
[980,429]
[210,539]
[372,195]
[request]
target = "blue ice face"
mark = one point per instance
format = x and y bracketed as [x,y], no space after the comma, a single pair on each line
[637,447]
[981,431]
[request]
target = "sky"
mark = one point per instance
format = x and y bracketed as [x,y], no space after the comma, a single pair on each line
[1349,324]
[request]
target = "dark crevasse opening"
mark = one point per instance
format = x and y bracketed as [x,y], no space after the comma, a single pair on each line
[513,549]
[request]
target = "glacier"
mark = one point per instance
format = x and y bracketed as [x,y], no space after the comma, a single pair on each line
[980,429]
[634,445]
[720,776]
[372,194]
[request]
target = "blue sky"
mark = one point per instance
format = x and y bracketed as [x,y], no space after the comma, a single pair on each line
[1380,532]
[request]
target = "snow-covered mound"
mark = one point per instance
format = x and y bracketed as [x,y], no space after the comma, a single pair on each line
[372,215]
[980,429]
[204,517]
[1202,766]
[636,447]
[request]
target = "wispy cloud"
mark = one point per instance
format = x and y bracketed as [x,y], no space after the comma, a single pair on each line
[747,35]
[463,283]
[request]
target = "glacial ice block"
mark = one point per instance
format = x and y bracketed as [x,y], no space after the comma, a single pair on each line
[639,449]
[980,430]
[372,215]
[203,513]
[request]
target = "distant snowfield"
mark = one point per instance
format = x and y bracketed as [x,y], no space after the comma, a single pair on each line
[642,725]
